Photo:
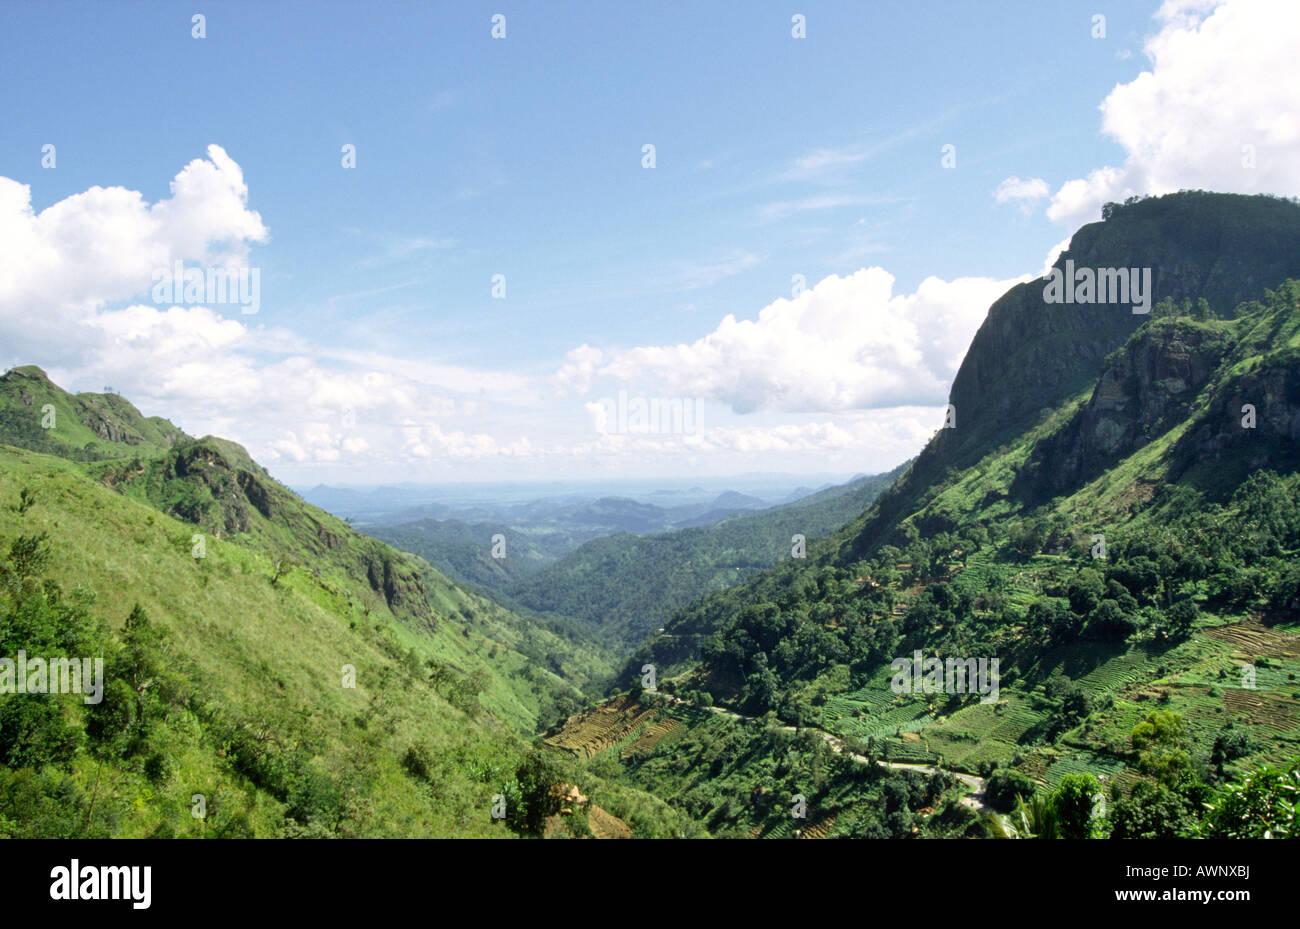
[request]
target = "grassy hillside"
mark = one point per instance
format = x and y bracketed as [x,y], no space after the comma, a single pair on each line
[302,678]
[1164,666]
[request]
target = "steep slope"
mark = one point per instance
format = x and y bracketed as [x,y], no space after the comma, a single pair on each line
[1030,355]
[302,678]
[1113,518]
[623,587]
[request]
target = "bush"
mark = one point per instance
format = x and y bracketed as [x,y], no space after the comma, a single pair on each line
[1005,787]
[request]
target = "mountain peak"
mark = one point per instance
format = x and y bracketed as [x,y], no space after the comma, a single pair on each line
[1031,354]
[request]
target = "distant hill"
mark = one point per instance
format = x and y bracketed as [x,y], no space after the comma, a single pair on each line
[622,587]
[732,500]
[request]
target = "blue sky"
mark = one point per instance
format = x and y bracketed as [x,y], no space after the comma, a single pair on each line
[522,156]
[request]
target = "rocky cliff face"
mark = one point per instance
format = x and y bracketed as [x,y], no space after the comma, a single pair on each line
[1145,389]
[398,583]
[1251,422]
[214,483]
[1030,355]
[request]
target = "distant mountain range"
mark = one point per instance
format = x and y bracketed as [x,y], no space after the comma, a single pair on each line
[624,579]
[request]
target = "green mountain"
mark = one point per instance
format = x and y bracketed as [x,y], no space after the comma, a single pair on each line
[1113,518]
[464,549]
[294,676]
[620,587]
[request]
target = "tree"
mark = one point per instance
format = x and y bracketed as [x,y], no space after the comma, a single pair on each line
[1005,788]
[1030,535]
[1161,729]
[1231,744]
[1160,743]
[1075,703]
[1151,811]
[283,565]
[1075,802]
[1285,594]
[26,500]
[1181,616]
[1108,621]
[1085,591]
[535,797]
[944,597]
[1262,805]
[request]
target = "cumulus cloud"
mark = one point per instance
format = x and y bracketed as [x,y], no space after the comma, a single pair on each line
[65,271]
[579,368]
[104,244]
[849,343]
[1216,110]
[428,440]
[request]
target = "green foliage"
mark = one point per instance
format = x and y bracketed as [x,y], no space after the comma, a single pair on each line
[1005,789]
[1152,811]
[1075,804]
[535,797]
[622,587]
[1262,805]
[1232,743]
[1037,817]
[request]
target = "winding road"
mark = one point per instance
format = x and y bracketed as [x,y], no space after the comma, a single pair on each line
[974,798]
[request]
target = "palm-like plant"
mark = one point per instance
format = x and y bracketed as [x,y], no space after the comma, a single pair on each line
[1038,818]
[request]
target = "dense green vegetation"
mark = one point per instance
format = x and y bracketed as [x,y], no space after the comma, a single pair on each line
[1134,545]
[620,587]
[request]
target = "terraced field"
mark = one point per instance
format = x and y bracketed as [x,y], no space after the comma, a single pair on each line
[601,727]
[907,752]
[819,829]
[653,735]
[875,711]
[1116,674]
[982,732]
[1252,640]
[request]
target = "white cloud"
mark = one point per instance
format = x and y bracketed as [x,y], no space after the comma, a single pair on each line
[849,343]
[65,270]
[1217,109]
[888,435]
[1026,193]
[1053,254]
[783,208]
[579,368]
[207,217]
[58,266]
[429,440]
